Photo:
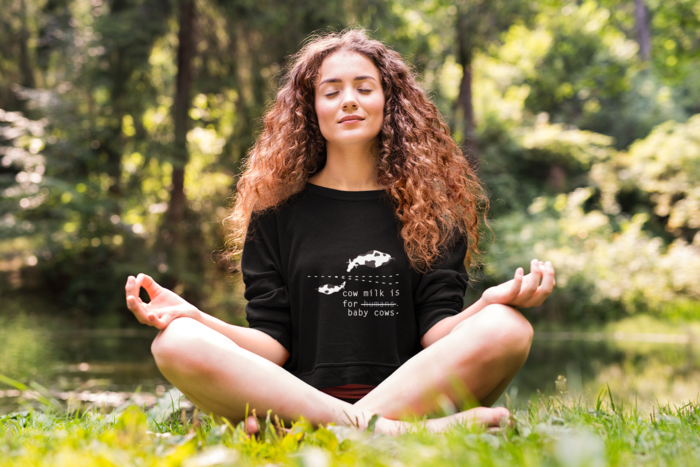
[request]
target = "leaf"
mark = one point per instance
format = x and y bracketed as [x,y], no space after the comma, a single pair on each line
[11,382]
[612,402]
[168,404]
[270,432]
[373,422]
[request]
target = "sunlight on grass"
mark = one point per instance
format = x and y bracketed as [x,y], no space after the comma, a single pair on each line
[553,430]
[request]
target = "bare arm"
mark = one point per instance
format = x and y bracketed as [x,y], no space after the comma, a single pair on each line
[250,339]
[445,326]
[520,292]
[165,306]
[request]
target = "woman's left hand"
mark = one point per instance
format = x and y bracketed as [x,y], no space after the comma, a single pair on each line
[524,291]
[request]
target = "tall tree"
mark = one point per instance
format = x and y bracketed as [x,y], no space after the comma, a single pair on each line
[643,34]
[465,54]
[174,222]
[479,24]
[25,64]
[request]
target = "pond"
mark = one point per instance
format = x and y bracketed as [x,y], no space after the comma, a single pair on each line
[105,368]
[646,368]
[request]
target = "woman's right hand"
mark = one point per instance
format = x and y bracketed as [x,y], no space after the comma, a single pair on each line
[165,305]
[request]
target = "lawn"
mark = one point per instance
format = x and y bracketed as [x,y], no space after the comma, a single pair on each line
[550,431]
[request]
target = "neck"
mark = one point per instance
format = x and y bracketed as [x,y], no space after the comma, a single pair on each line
[348,168]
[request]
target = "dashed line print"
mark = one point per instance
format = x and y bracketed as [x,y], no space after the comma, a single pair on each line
[357,278]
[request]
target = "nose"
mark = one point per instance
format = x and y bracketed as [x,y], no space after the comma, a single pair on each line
[349,101]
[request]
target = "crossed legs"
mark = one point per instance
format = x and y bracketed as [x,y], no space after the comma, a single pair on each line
[481,354]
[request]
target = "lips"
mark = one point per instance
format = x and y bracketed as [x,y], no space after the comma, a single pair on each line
[351,119]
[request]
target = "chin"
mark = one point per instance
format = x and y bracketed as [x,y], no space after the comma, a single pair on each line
[353,140]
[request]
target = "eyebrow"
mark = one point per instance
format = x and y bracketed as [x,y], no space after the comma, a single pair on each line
[338,80]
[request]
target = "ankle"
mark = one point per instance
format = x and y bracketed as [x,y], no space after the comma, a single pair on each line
[387,427]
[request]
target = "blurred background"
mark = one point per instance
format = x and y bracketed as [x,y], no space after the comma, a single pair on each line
[123,124]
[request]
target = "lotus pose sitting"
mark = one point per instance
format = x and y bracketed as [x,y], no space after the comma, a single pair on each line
[353,162]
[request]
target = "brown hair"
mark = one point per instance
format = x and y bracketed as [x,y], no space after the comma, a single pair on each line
[435,193]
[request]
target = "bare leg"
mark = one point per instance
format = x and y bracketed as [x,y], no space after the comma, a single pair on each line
[221,378]
[482,354]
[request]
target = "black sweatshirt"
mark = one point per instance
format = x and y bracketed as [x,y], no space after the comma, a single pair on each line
[326,275]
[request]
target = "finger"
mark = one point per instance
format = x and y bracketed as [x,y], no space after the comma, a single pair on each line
[142,312]
[151,286]
[517,282]
[137,309]
[547,286]
[531,281]
[138,284]
[129,288]
[548,278]
[161,322]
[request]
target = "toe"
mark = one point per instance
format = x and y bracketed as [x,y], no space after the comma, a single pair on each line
[491,416]
[251,425]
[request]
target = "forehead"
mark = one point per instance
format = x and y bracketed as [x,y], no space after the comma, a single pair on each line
[346,64]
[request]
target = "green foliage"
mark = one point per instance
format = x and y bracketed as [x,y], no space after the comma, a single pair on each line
[565,110]
[559,430]
[25,350]
[666,165]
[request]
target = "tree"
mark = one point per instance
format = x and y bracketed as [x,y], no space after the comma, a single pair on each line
[643,34]
[174,220]
[480,24]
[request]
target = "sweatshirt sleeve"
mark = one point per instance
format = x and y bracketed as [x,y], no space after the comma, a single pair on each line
[440,292]
[268,308]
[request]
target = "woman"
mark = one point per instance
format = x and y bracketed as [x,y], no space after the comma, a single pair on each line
[356,211]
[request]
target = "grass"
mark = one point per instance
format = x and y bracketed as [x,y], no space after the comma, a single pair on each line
[552,431]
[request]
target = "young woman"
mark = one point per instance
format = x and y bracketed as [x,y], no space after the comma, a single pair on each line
[356,212]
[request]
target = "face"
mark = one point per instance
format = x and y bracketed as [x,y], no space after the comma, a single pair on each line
[349,99]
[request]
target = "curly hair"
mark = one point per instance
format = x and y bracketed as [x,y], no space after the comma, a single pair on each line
[435,193]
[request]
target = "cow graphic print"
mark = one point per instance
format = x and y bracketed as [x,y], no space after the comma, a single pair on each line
[329,289]
[373,259]
[380,298]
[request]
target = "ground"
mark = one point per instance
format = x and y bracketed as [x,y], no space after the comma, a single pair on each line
[554,430]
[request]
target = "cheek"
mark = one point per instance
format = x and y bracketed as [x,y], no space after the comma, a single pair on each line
[325,115]
[376,107]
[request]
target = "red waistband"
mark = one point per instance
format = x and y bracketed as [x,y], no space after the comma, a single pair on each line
[349,391]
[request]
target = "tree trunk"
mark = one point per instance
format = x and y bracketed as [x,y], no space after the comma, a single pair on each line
[643,34]
[25,66]
[174,231]
[181,109]
[465,53]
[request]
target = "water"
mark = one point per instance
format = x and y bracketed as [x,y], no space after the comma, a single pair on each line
[648,368]
[114,360]
[107,367]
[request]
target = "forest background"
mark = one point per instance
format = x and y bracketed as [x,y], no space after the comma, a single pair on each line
[123,124]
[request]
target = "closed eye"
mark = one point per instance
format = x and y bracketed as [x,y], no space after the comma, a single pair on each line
[336,92]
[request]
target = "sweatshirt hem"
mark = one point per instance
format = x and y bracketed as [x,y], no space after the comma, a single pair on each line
[350,373]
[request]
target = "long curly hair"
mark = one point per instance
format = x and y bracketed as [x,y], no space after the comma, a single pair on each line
[435,193]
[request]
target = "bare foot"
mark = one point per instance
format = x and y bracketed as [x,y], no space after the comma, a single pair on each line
[487,416]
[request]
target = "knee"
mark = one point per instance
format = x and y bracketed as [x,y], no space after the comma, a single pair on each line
[174,346]
[508,329]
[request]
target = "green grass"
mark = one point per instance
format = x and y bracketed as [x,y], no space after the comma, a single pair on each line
[552,431]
